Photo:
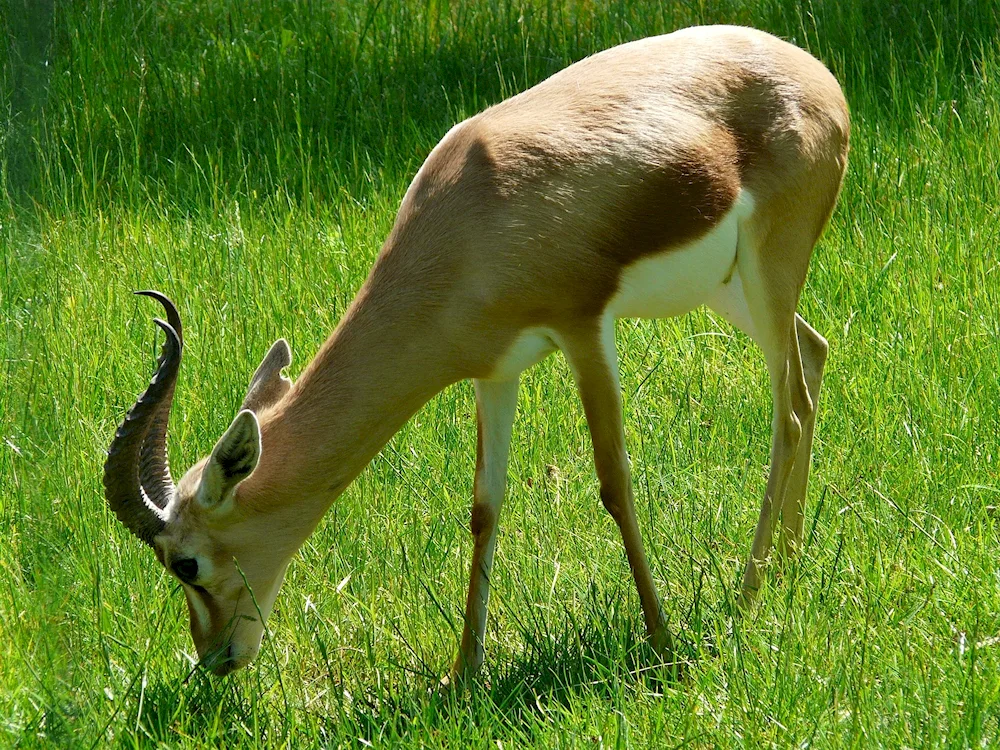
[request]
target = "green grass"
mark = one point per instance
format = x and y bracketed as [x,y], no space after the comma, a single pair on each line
[247,159]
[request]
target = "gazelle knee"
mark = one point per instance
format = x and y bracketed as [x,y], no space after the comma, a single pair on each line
[820,349]
[484,519]
[791,431]
[803,402]
[808,372]
[814,349]
[610,502]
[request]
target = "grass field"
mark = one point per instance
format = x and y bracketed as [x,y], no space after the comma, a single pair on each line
[247,158]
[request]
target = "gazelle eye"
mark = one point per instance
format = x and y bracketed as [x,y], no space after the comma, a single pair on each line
[186,569]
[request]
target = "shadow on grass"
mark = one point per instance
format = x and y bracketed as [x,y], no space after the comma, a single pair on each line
[216,712]
[601,653]
[597,652]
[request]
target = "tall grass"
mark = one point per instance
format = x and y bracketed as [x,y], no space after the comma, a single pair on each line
[247,158]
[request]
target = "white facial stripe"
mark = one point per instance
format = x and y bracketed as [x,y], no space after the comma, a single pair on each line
[200,612]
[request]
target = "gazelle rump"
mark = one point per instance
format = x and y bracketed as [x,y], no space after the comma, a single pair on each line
[696,168]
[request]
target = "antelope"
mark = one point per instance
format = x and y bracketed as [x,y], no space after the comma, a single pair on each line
[696,168]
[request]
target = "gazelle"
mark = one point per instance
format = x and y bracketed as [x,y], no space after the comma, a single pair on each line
[696,168]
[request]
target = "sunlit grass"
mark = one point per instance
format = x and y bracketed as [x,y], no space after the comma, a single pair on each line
[247,159]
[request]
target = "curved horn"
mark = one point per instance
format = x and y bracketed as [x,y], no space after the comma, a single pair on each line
[137,482]
[154,471]
[173,317]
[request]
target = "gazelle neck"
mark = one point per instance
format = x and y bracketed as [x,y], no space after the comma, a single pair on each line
[384,361]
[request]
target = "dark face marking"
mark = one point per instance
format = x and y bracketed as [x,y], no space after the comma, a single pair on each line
[186,569]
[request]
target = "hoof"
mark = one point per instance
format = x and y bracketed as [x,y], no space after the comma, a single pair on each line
[745,601]
[458,679]
[663,644]
[449,684]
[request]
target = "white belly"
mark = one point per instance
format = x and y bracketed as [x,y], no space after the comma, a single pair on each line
[659,286]
[531,346]
[679,280]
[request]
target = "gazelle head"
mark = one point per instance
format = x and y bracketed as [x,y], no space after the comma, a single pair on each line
[229,560]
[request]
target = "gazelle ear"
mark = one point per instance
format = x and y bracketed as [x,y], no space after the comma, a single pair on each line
[268,385]
[233,459]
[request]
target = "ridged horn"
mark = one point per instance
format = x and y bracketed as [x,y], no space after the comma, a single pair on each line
[137,481]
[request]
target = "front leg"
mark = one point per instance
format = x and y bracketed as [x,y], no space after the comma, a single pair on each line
[594,361]
[496,403]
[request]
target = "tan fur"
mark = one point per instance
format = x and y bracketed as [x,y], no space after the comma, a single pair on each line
[526,216]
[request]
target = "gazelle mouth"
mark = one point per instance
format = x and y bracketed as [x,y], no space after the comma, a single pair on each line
[221,662]
[230,665]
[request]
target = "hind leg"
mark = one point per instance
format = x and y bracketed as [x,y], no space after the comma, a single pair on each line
[813,350]
[786,432]
[762,304]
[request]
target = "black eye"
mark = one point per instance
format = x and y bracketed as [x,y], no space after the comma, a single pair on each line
[186,569]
